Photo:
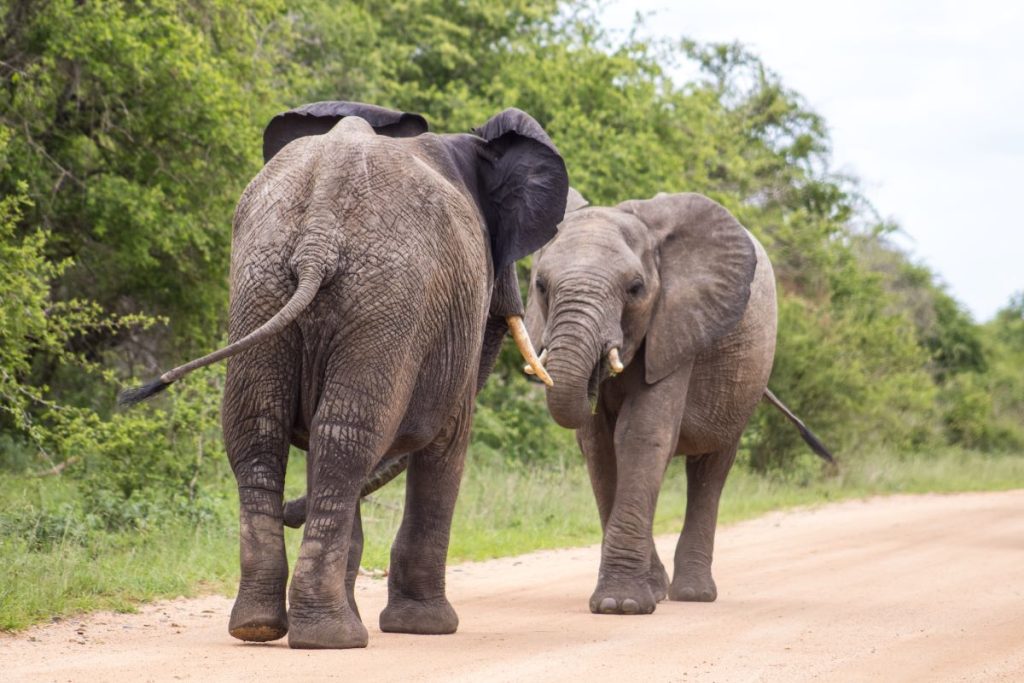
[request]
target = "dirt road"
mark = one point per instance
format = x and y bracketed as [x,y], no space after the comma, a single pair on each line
[895,589]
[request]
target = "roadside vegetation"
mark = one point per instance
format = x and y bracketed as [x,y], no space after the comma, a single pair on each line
[128,131]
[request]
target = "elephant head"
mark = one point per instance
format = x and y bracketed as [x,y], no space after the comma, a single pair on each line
[661,279]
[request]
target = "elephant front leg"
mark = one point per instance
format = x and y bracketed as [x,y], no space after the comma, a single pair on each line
[705,477]
[631,579]
[596,440]
[416,581]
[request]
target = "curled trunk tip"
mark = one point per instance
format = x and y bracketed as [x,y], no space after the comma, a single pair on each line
[568,401]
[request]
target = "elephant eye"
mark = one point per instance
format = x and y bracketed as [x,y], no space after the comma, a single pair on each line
[636,288]
[542,287]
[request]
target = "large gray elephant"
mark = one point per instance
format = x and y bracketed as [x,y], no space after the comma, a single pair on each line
[372,281]
[664,310]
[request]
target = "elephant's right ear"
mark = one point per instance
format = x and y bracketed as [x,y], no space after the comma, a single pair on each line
[524,185]
[320,117]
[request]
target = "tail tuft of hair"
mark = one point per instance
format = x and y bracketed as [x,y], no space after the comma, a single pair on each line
[816,445]
[130,397]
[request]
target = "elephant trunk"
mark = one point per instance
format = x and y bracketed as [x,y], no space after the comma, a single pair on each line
[573,356]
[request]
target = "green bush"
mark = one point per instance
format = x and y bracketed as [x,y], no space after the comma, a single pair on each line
[135,127]
[144,464]
[129,465]
[855,376]
[969,416]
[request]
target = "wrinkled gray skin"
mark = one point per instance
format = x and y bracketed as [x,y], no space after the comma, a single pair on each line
[688,296]
[364,268]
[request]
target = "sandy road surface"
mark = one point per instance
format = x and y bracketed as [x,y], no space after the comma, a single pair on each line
[897,589]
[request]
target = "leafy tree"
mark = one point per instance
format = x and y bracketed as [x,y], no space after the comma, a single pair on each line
[135,127]
[954,342]
[1006,337]
[984,408]
[133,466]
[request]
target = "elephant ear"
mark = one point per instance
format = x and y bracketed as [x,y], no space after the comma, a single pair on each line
[524,185]
[706,265]
[575,201]
[319,117]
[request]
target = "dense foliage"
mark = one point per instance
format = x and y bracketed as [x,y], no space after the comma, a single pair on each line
[128,130]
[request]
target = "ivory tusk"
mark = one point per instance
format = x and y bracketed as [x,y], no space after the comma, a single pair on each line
[522,339]
[543,361]
[614,362]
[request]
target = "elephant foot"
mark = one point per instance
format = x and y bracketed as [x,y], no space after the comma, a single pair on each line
[633,596]
[321,619]
[422,617]
[258,621]
[336,631]
[696,587]
[657,579]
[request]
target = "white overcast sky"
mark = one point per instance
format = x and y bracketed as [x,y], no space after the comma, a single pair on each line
[924,101]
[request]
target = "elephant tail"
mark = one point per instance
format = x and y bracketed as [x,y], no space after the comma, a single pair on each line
[309,284]
[808,436]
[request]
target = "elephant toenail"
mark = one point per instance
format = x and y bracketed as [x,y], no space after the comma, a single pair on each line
[688,594]
[630,606]
[608,606]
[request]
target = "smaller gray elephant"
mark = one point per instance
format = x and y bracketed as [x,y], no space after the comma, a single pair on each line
[663,312]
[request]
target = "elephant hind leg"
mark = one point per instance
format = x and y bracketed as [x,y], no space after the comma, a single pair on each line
[416,582]
[295,517]
[344,442]
[259,405]
[705,478]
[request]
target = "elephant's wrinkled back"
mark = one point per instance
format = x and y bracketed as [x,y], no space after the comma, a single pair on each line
[397,226]
[368,210]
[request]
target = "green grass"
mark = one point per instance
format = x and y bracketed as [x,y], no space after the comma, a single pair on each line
[52,566]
